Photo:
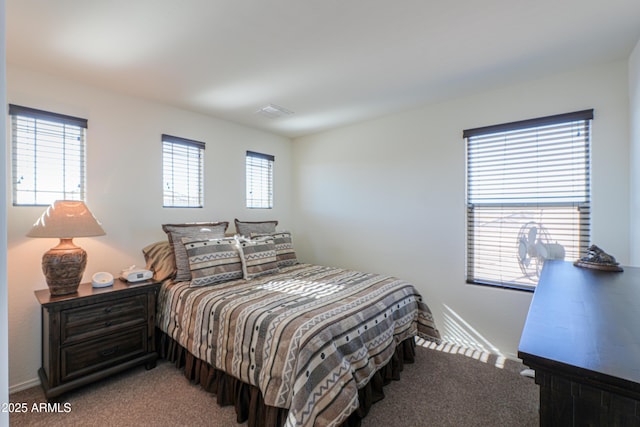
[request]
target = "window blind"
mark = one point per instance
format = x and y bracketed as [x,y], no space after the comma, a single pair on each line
[48,156]
[528,197]
[182,171]
[259,177]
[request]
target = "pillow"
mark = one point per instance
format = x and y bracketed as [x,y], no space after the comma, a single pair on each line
[160,259]
[213,260]
[245,228]
[199,230]
[285,254]
[258,257]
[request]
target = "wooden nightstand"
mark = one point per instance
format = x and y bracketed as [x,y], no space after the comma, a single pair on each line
[95,333]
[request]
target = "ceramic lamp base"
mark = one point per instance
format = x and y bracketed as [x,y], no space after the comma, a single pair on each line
[63,267]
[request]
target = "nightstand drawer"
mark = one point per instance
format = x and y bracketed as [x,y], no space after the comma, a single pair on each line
[97,319]
[90,356]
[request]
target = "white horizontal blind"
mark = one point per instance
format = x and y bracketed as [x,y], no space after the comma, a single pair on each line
[48,156]
[259,176]
[528,197]
[182,172]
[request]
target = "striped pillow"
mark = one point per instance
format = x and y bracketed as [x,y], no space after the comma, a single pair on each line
[212,260]
[258,257]
[200,230]
[285,254]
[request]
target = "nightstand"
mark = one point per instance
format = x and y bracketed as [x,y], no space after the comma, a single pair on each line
[95,333]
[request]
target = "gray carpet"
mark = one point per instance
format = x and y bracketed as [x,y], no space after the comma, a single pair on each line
[440,389]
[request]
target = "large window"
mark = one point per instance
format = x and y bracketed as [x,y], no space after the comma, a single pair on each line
[182,172]
[528,197]
[48,156]
[259,176]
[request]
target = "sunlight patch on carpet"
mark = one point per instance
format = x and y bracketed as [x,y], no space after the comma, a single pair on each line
[459,337]
[497,360]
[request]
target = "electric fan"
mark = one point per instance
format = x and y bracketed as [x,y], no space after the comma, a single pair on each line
[534,247]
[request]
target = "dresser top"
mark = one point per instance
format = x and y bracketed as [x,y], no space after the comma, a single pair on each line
[585,322]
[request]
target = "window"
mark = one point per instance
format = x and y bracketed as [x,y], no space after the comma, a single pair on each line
[528,197]
[182,172]
[48,156]
[259,180]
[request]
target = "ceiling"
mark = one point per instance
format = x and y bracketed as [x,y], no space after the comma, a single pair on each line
[330,62]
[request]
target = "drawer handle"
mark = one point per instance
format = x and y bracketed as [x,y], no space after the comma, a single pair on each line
[108,310]
[109,323]
[109,351]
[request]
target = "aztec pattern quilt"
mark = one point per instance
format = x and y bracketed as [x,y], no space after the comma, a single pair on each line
[308,336]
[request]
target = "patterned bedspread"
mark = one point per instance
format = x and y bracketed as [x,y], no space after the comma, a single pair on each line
[308,337]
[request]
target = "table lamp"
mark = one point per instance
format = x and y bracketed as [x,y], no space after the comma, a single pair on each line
[63,265]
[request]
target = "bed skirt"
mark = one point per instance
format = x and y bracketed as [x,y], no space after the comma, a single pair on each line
[247,399]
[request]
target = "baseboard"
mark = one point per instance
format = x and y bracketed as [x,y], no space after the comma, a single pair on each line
[25,385]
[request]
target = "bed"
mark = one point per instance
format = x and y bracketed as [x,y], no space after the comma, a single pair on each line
[287,343]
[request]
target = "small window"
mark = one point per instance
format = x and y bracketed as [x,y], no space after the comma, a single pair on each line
[182,172]
[48,156]
[528,197]
[259,180]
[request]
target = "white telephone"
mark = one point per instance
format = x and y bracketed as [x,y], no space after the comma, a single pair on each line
[102,279]
[133,274]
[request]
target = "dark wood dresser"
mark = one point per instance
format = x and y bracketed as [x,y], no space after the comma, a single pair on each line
[95,333]
[582,338]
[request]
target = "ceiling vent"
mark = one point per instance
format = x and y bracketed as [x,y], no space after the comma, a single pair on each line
[273,111]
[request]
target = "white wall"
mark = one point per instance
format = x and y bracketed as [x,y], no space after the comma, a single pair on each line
[634,116]
[124,164]
[388,195]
